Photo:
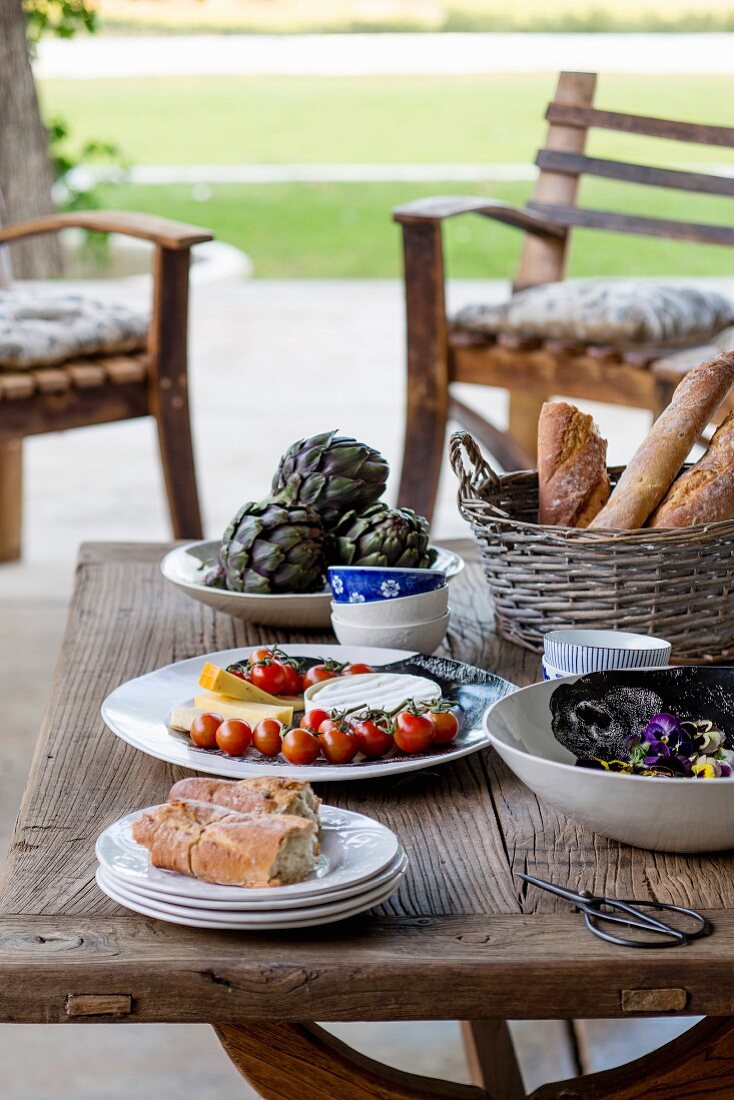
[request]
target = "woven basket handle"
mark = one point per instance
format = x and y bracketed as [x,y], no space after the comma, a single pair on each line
[478,473]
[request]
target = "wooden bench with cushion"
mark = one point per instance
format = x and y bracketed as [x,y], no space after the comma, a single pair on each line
[96,390]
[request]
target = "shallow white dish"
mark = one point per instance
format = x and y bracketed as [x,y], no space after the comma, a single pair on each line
[274,921]
[401,611]
[422,637]
[575,652]
[354,849]
[671,815]
[183,567]
[144,890]
[138,712]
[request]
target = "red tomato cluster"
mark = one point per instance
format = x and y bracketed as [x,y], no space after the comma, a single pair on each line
[274,672]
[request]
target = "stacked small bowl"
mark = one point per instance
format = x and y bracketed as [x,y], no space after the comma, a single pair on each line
[576,652]
[389,608]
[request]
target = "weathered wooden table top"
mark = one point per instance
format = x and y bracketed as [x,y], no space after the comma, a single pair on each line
[462,938]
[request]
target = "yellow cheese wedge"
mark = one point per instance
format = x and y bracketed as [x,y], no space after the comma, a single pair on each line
[183,717]
[237,708]
[226,683]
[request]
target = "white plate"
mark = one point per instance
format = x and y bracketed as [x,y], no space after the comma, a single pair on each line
[144,890]
[354,848]
[257,918]
[182,567]
[138,712]
[274,923]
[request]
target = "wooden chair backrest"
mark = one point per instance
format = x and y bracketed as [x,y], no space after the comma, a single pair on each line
[562,162]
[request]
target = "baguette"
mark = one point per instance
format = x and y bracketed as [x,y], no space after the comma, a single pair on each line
[659,458]
[705,493]
[264,795]
[573,482]
[220,846]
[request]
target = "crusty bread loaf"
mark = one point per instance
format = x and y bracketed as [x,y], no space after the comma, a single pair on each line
[659,458]
[572,466]
[266,794]
[705,493]
[216,845]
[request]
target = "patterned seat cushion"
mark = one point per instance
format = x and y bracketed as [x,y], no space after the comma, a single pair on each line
[617,312]
[44,329]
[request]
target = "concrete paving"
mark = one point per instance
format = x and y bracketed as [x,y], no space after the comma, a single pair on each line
[271,361]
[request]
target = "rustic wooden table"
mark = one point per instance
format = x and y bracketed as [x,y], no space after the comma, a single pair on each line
[462,939]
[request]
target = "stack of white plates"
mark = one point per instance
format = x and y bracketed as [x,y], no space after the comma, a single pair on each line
[360,865]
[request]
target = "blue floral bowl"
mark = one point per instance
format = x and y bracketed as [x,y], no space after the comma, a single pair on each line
[366,584]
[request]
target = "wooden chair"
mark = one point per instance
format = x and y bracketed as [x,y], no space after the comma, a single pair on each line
[99,390]
[533,370]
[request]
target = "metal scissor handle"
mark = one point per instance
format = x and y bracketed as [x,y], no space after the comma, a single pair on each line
[629,913]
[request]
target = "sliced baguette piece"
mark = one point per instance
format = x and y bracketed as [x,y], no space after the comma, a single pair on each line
[266,794]
[573,483]
[705,493]
[231,849]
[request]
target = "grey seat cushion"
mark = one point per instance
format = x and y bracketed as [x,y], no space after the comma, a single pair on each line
[43,329]
[619,312]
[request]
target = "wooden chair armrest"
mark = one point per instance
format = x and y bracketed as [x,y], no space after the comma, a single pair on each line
[436,209]
[149,227]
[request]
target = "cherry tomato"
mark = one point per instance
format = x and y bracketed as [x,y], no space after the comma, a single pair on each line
[372,740]
[313,719]
[241,673]
[414,732]
[258,655]
[300,746]
[339,746]
[234,737]
[266,737]
[317,673]
[328,725]
[357,669]
[268,677]
[293,682]
[447,725]
[204,730]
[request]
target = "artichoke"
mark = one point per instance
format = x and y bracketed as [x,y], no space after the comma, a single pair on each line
[382,536]
[332,474]
[272,547]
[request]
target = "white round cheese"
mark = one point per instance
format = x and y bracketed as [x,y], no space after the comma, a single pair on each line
[374,690]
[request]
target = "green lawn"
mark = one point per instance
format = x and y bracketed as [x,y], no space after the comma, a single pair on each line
[280,120]
[332,231]
[344,230]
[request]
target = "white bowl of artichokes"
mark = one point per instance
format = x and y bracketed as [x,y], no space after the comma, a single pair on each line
[323,509]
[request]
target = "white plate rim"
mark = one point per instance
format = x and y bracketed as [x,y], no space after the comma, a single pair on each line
[141,889]
[191,922]
[178,885]
[162,745]
[260,916]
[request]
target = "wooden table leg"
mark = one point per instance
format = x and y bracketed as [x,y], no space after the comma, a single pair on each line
[491,1056]
[11,498]
[698,1064]
[285,1060]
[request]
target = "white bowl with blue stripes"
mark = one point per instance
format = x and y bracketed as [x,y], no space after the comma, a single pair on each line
[575,652]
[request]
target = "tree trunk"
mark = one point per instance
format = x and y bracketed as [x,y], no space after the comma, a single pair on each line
[25,171]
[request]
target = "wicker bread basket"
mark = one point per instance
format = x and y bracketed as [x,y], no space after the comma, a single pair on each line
[677,584]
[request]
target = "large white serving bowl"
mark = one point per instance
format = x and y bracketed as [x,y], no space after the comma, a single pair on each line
[183,566]
[669,815]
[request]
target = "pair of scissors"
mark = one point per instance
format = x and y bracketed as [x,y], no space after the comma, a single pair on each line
[598,911]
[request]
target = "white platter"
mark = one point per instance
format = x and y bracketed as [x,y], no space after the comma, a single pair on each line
[260,923]
[354,848]
[183,567]
[138,712]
